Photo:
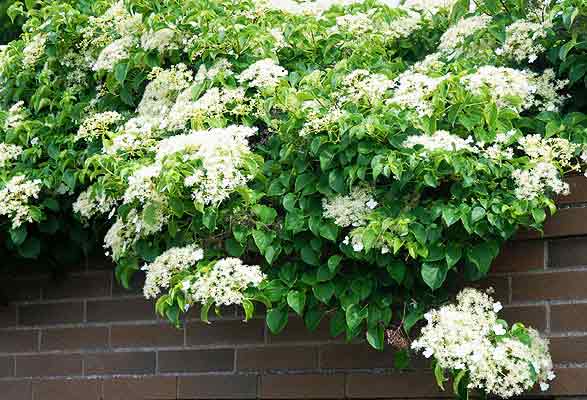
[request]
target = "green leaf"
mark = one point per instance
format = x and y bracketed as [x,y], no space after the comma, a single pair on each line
[337,324]
[336,181]
[205,311]
[296,300]
[120,71]
[289,202]
[262,239]
[18,234]
[324,291]
[439,375]
[329,231]
[453,255]
[276,319]
[30,248]
[401,359]
[355,315]
[266,214]
[249,309]
[482,254]
[397,270]
[539,215]
[313,317]
[450,215]
[303,180]
[310,256]
[434,274]
[333,262]
[477,213]
[376,336]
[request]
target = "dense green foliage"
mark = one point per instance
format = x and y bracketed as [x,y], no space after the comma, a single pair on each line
[329,138]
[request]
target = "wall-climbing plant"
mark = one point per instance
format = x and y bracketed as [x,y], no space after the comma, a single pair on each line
[344,160]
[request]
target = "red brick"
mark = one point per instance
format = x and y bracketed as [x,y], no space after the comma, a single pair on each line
[50,314]
[520,256]
[569,349]
[196,360]
[16,390]
[49,365]
[534,316]
[74,338]
[570,252]
[499,284]
[21,289]
[396,385]
[121,310]
[568,317]
[277,357]
[136,286]
[349,356]
[226,332]
[69,389]
[217,387]
[578,193]
[566,222]
[569,382]
[18,341]
[6,366]
[7,316]
[144,388]
[88,285]
[549,286]
[302,386]
[296,331]
[158,335]
[120,363]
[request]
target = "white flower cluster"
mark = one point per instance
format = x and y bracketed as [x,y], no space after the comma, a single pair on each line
[537,180]
[521,41]
[16,115]
[441,141]
[220,151]
[456,35]
[430,6]
[16,195]
[317,121]
[8,152]
[114,53]
[468,336]
[224,283]
[306,7]
[124,233]
[95,126]
[349,210]
[517,89]
[160,272]
[34,50]
[413,90]
[161,40]
[361,84]
[543,176]
[89,204]
[264,74]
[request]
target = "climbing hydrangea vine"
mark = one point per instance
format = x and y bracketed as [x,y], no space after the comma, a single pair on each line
[349,161]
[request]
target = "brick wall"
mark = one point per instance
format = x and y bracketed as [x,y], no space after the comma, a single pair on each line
[84,338]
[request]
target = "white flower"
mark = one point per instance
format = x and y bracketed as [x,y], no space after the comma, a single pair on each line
[89,204]
[225,282]
[497,307]
[521,41]
[499,330]
[428,352]
[161,40]
[456,35]
[414,90]
[544,386]
[264,74]
[34,49]
[95,126]
[112,54]
[441,141]
[351,209]
[172,261]
[16,195]
[8,152]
